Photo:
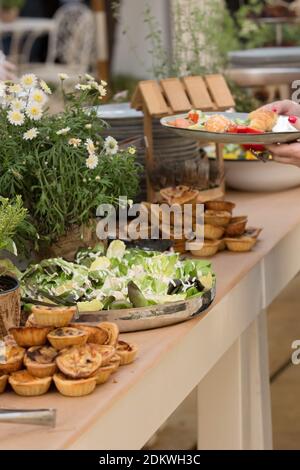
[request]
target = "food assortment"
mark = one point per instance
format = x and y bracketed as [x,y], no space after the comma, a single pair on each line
[224,231]
[76,357]
[109,279]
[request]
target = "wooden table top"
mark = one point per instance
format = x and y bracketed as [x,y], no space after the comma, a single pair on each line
[277,213]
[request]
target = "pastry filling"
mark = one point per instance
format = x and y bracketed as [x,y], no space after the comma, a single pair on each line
[67,331]
[23,376]
[42,354]
[123,346]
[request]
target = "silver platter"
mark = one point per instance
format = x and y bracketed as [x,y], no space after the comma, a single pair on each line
[156,316]
[230,138]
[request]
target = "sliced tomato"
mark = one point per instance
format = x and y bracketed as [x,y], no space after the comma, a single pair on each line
[193,116]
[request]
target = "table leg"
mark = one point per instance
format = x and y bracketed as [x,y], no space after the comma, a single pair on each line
[234,397]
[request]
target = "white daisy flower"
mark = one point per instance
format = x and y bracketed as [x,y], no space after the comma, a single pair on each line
[111,146]
[102,90]
[34,111]
[28,80]
[92,161]
[89,77]
[63,76]
[97,178]
[63,131]
[15,117]
[103,83]
[45,87]
[88,126]
[74,142]
[17,105]
[38,96]
[15,88]
[90,146]
[82,87]
[131,150]
[31,134]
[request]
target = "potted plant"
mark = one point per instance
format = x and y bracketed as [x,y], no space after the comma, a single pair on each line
[59,163]
[12,215]
[10,9]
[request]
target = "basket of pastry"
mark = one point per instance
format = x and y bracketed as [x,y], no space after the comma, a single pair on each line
[224,231]
[73,357]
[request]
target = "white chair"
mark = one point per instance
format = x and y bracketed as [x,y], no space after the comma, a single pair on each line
[70,46]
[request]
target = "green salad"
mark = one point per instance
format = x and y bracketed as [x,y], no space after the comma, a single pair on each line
[117,278]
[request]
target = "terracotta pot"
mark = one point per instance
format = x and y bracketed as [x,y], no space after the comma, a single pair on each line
[10,306]
[9,15]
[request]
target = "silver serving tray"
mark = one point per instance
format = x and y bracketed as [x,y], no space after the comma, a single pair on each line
[156,316]
[231,138]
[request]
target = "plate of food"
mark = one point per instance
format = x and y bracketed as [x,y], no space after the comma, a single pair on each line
[259,127]
[135,288]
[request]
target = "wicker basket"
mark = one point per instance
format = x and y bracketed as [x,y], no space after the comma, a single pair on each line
[10,304]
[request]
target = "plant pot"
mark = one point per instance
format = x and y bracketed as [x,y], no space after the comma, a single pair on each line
[10,305]
[8,15]
[67,245]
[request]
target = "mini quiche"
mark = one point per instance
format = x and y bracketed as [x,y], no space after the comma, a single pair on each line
[112,332]
[107,353]
[79,362]
[95,335]
[63,337]
[27,385]
[11,358]
[126,352]
[40,361]
[74,387]
[115,362]
[30,335]
[3,382]
[53,316]
[103,373]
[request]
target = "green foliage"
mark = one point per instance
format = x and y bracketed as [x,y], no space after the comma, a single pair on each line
[52,171]
[8,4]
[12,214]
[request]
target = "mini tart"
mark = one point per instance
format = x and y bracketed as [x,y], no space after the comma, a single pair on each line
[240,244]
[236,227]
[66,336]
[112,331]
[210,248]
[30,335]
[53,316]
[103,373]
[115,363]
[79,362]
[218,218]
[107,353]
[27,385]
[3,382]
[126,352]
[96,335]
[40,361]
[213,232]
[252,232]
[74,388]
[220,206]
[12,359]
[31,321]
[222,245]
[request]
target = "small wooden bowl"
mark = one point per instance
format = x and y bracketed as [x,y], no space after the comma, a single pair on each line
[237,226]
[220,206]
[210,248]
[240,244]
[213,232]
[217,218]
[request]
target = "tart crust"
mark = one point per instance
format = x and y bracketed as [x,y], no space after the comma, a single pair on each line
[14,359]
[96,335]
[237,226]
[30,335]
[241,244]
[218,218]
[79,362]
[127,352]
[103,373]
[115,363]
[74,388]
[220,206]
[3,382]
[64,337]
[213,232]
[27,385]
[53,316]
[39,363]
[112,330]
[209,248]
[107,353]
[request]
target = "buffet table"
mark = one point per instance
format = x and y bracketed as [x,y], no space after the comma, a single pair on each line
[223,353]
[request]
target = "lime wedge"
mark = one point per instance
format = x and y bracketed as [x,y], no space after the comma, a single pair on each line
[116,249]
[207,281]
[102,262]
[91,306]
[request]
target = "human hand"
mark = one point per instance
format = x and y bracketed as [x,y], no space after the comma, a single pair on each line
[283,108]
[287,153]
[7,70]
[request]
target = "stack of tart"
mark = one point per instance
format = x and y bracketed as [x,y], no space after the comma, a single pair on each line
[224,231]
[49,348]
